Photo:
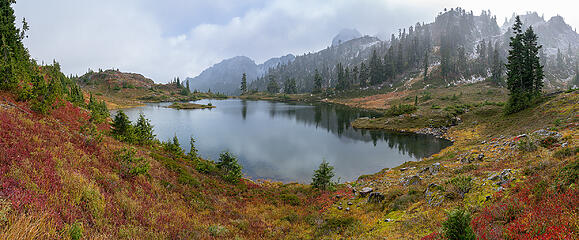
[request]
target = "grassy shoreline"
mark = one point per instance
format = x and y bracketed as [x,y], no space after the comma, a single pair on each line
[186,105]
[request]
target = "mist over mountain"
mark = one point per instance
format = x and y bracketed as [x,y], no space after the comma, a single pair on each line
[553,33]
[224,77]
[454,38]
[345,35]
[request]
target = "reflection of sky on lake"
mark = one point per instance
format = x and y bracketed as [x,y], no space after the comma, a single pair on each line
[287,142]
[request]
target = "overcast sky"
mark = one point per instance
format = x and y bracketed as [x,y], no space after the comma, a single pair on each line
[164,39]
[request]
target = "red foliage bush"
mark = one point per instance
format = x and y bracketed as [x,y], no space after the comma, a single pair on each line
[530,214]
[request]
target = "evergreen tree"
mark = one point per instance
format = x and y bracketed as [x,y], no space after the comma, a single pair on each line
[290,86]
[193,152]
[515,59]
[496,68]
[481,67]
[243,84]
[425,72]
[363,75]
[144,130]
[230,168]
[355,75]
[376,75]
[272,86]
[173,146]
[317,82]
[187,86]
[98,110]
[457,226]
[524,70]
[41,98]
[322,178]
[341,85]
[121,127]
[534,71]
[15,63]
[560,60]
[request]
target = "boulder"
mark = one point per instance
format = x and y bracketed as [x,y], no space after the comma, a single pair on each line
[434,197]
[546,133]
[375,197]
[365,191]
[432,169]
[411,180]
[502,177]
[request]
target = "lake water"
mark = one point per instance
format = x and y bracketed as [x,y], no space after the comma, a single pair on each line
[286,142]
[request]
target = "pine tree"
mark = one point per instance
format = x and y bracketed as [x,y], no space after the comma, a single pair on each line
[229,166]
[144,130]
[363,75]
[524,70]
[290,86]
[534,71]
[376,75]
[425,72]
[243,84]
[272,86]
[560,62]
[341,77]
[355,75]
[193,152]
[317,82]
[575,83]
[496,68]
[322,178]
[15,64]
[515,59]
[121,127]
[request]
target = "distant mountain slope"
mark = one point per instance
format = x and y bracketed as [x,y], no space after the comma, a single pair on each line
[304,66]
[453,43]
[225,77]
[554,33]
[263,68]
[403,53]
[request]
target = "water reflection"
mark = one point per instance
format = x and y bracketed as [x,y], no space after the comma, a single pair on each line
[287,141]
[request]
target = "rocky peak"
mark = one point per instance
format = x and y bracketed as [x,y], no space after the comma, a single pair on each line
[345,35]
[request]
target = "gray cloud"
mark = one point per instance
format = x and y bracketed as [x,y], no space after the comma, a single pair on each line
[181,38]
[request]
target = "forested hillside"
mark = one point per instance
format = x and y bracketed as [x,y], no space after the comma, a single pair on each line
[458,47]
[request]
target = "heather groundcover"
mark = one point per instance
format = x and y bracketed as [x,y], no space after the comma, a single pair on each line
[69,170]
[60,181]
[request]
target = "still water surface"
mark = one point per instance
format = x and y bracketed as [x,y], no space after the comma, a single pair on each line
[286,142]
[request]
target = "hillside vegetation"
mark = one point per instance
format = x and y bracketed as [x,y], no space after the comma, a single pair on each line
[68,172]
[122,90]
